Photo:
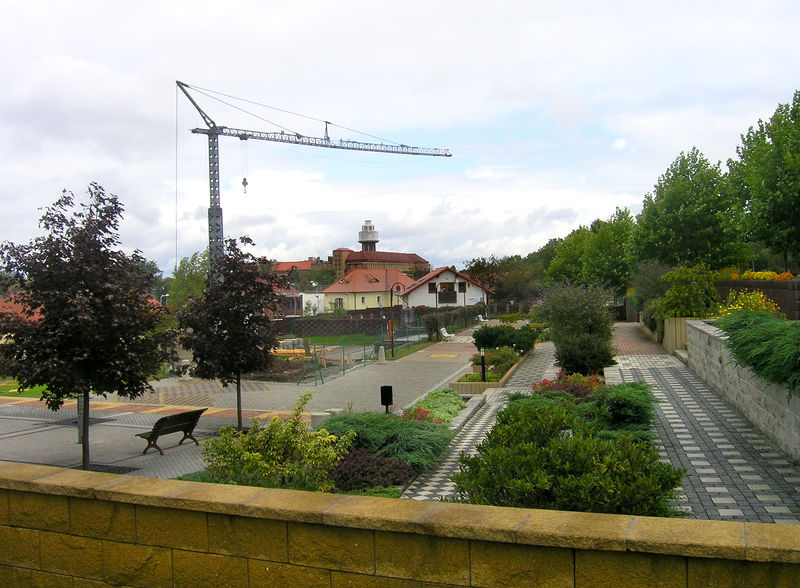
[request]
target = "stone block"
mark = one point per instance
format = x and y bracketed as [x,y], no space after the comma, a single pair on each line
[69,482]
[498,564]
[38,511]
[248,537]
[218,498]
[101,519]
[422,557]
[720,539]
[169,527]
[335,548]
[720,573]
[471,521]
[193,569]
[71,555]
[612,569]
[20,547]
[292,505]
[575,529]
[136,565]
[770,542]
[37,579]
[18,476]
[3,507]
[269,573]
[367,512]
[139,490]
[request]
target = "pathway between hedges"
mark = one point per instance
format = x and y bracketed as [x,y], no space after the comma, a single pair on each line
[733,471]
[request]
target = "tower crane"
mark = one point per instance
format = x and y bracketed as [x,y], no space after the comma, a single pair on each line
[214,131]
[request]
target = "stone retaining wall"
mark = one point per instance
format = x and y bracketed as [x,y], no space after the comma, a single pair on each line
[766,405]
[72,528]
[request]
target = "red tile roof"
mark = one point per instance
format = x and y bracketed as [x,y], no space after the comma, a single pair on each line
[287,266]
[369,280]
[384,256]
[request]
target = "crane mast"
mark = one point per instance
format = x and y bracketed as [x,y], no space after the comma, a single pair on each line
[214,131]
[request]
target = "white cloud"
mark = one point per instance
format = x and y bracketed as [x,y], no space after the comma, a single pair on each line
[528,96]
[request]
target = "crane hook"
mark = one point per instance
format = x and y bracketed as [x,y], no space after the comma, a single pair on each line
[244,184]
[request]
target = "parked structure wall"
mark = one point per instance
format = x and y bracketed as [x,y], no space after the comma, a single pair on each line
[768,406]
[67,527]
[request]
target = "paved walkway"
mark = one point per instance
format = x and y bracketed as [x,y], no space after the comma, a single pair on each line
[733,471]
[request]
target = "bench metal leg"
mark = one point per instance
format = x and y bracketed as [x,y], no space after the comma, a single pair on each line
[188,436]
[152,444]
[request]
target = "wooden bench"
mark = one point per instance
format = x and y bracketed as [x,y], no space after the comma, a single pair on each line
[182,422]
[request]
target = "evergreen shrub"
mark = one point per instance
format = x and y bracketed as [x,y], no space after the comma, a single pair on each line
[766,343]
[361,468]
[541,454]
[417,443]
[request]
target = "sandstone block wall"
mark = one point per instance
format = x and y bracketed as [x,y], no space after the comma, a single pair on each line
[71,528]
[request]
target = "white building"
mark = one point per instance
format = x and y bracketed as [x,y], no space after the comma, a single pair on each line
[444,287]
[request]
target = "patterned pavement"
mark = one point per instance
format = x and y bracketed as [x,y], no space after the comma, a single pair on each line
[733,471]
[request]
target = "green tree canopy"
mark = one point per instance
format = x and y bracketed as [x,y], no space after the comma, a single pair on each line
[767,179]
[89,322]
[230,327]
[567,263]
[604,259]
[690,217]
[189,279]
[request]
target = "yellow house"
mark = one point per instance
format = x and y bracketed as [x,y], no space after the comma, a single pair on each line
[367,288]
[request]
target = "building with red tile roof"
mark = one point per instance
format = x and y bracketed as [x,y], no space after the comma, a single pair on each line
[367,288]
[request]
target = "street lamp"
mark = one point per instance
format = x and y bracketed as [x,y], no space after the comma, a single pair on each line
[398,287]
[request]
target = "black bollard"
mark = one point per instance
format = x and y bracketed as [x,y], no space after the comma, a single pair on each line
[386,397]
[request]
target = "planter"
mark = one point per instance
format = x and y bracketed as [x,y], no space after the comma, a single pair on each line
[481,387]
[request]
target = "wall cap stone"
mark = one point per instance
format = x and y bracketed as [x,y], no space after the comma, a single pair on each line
[605,532]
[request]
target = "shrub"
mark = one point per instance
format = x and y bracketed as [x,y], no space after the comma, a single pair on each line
[417,413]
[282,454]
[767,344]
[690,293]
[739,300]
[585,353]
[545,457]
[417,443]
[511,317]
[578,386]
[498,361]
[444,404]
[432,326]
[626,405]
[361,468]
[522,339]
[490,377]
[574,309]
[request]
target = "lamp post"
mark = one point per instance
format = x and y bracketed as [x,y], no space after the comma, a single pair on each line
[398,287]
[483,365]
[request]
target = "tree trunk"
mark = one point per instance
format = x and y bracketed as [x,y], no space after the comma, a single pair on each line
[85,424]
[239,399]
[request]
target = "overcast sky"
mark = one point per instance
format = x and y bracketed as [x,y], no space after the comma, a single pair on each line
[556,113]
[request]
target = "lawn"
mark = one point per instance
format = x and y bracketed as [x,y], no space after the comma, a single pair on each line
[9,388]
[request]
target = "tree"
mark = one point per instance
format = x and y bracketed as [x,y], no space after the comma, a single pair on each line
[89,323]
[189,278]
[484,271]
[567,262]
[690,217]
[767,179]
[230,328]
[604,252]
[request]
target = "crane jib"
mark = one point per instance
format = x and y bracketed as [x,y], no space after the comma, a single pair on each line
[296,139]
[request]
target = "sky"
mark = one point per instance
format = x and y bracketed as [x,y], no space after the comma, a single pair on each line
[555,112]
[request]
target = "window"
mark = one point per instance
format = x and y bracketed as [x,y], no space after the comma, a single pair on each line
[379,300]
[339,303]
[363,300]
[462,287]
[431,287]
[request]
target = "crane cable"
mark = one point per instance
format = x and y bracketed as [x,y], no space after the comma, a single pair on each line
[208,93]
